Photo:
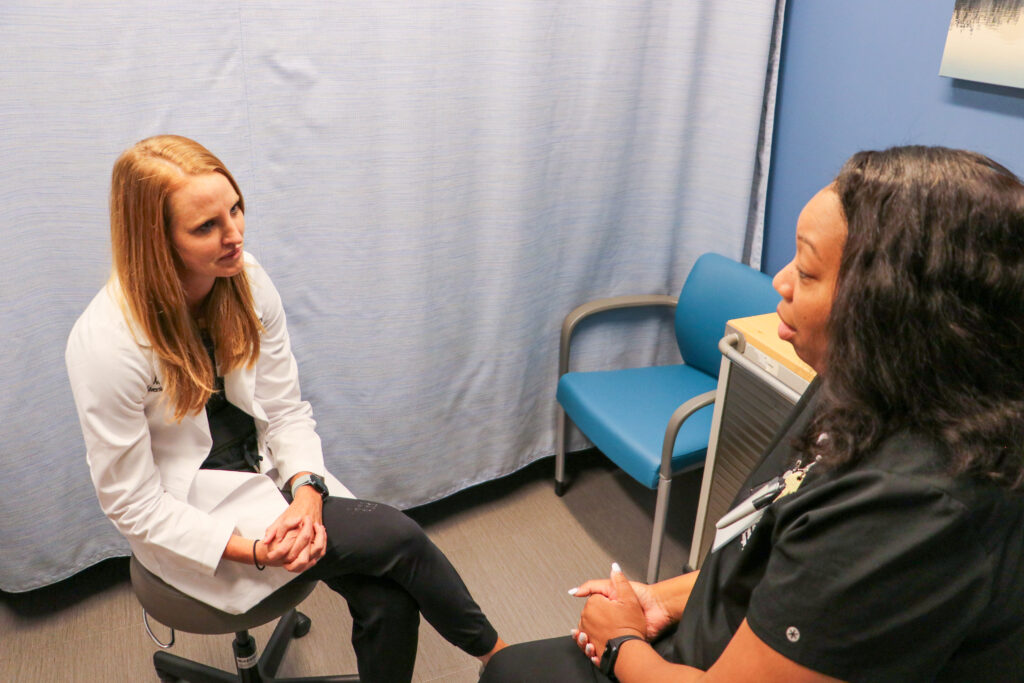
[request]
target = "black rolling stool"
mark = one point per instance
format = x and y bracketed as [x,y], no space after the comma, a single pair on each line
[180,612]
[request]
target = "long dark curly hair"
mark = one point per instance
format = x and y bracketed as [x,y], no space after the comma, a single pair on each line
[926,331]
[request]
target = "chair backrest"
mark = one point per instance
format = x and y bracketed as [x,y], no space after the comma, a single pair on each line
[717,290]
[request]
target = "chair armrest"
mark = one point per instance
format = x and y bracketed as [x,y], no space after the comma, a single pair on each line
[676,422]
[599,306]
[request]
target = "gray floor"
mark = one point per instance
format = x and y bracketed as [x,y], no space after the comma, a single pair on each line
[517,545]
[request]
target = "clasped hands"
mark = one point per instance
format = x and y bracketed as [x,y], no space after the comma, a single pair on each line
[297,539]
[617,607]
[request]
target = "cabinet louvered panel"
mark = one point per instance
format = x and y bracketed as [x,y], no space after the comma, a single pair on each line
[751,413]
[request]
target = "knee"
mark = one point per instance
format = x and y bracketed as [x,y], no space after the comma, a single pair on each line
[553,659]
[499,669]
[401,532]
[504,667]
[369,521]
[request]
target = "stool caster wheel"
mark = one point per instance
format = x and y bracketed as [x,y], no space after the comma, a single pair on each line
[302,624]
[560,488]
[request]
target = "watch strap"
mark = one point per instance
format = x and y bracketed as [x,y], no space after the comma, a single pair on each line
[310,480]
[611,654]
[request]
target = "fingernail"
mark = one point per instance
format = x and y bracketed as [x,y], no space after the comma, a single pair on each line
[616,567]
[573,591]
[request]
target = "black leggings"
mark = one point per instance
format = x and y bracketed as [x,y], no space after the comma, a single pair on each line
[556,660]
[390,572]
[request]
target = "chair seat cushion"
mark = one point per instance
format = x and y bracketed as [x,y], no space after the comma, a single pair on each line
[624,413]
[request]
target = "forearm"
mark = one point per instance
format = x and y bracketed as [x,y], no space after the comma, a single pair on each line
[240,549]
[639,663]
[674,593]
[131,494]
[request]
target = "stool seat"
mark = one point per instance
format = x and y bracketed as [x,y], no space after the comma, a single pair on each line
[182,612]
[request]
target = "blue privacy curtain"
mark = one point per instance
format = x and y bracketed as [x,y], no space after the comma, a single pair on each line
[431,184]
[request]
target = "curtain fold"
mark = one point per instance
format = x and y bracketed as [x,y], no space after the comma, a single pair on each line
[431,185]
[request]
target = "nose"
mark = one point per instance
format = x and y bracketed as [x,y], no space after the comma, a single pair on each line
[234,229]
[783,281]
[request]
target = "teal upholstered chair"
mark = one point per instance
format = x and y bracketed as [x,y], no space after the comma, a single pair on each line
[654,422]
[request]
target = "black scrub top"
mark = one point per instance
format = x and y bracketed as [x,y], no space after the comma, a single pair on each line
[232,429]
[889,570]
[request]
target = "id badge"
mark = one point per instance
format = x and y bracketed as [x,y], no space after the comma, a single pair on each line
[748,513]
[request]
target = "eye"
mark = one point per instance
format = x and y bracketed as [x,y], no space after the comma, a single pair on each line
[802,275]
[237,208]
[203,229]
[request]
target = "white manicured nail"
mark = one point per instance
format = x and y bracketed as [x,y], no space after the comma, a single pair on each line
[616,567]
[573,591]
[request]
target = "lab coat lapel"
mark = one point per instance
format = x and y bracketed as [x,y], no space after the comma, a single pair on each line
[240,389]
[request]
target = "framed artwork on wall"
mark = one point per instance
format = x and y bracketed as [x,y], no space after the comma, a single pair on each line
[986,42]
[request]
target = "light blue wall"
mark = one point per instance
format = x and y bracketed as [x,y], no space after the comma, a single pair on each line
[864,75]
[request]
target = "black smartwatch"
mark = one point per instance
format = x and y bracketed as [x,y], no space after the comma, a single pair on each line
[314,480]
[611,653]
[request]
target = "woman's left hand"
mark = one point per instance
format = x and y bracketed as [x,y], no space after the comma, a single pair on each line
[604,618]
[297,539]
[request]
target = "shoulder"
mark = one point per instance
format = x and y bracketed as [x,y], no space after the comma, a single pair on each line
[103,343]
[900,499]
[993,513]
[904,476]
[104,322]
[262,287]
[910,462]
[257,274]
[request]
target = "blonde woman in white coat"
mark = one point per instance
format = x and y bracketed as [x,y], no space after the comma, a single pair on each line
[204,455]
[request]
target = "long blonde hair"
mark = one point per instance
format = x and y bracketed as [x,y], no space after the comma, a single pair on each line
[147,267]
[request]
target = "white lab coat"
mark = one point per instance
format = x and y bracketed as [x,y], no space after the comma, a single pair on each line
[146,467]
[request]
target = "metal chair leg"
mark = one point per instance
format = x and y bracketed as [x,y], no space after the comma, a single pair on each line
[658,535]
[560,438]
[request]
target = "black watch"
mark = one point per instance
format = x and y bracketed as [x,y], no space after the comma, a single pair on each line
[314,480]
[611,653]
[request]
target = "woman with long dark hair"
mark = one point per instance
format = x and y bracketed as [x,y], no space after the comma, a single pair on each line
[202,451]
[881,538]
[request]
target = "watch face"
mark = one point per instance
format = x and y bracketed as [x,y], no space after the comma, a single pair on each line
[318,483]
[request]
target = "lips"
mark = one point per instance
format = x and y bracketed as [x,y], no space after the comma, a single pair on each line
[231,256]
[786,333]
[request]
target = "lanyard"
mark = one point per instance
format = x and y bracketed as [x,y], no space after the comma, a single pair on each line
[749,512]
